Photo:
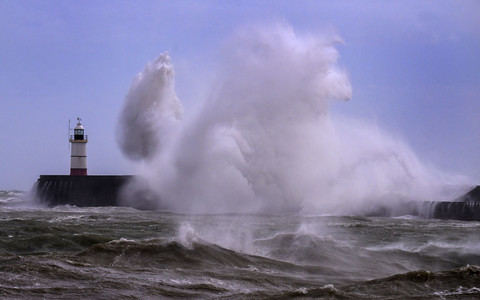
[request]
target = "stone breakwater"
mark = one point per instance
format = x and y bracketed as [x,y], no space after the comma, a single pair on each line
[81,191]
[91,191]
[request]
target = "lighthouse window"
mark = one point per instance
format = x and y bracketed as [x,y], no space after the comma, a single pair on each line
[78,132]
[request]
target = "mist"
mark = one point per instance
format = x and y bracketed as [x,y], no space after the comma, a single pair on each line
[151,112]
[265,139]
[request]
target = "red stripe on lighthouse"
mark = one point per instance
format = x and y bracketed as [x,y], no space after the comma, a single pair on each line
[78,172]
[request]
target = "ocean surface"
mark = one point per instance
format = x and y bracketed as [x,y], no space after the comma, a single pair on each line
[112,252]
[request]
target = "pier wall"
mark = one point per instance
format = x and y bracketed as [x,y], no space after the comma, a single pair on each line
[90,191]
[466,207]
[466,211]
[81,191]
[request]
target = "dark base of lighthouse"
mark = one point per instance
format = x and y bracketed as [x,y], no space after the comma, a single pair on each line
[82,191]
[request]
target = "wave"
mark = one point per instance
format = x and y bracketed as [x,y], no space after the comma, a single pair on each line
[170,268]
[306,249]
[12,197]
[459,283]
[10,193]
[44,242]
[40,232]
[462,282]
[201,259]
[162,253]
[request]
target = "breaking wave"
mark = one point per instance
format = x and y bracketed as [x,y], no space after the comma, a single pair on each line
[265,140]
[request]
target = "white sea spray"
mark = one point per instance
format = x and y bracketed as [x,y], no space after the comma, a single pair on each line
[264,141]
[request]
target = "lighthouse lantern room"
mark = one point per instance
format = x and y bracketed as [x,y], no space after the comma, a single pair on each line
[78,161]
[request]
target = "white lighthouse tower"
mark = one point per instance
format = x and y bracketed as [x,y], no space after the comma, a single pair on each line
[78,162]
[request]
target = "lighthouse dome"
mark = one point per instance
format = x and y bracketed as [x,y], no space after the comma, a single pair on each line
[78,131]
[79,124]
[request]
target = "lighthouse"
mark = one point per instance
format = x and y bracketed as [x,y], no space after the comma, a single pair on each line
[77,188]
[78,161]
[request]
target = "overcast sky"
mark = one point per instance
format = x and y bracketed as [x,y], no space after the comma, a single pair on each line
[414,68]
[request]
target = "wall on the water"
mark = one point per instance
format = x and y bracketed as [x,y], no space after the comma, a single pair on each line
[81,191]
[465,207]
[466,211]
[84,191]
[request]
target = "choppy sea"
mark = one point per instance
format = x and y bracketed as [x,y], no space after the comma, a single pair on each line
[113,252]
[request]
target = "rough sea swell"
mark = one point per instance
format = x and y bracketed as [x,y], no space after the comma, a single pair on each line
[101,253]
[263,145]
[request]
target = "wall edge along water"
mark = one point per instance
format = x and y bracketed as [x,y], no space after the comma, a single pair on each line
[81,191]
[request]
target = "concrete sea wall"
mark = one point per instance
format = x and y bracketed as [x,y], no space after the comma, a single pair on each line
[466,211]
[84,191]
[81,191]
